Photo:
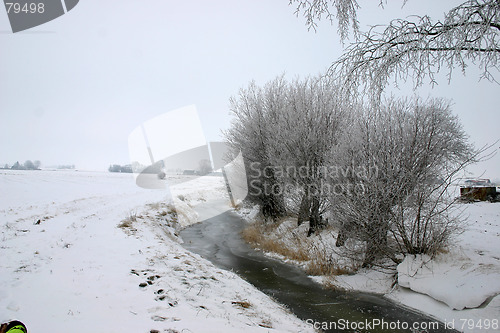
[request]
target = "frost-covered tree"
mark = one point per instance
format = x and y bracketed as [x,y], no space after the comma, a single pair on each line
[406,49]
[413,150]
[204,167]
[311,124]
[286,131]
[252,133]
[29,165]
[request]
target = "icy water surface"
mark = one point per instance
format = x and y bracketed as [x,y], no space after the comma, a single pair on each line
[218,240]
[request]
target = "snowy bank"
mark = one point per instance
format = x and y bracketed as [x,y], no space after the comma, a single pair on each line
[458,282]
[466,277]
[461,286]
[93,252]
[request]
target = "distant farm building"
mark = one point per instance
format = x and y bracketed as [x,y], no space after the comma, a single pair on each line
[478,189]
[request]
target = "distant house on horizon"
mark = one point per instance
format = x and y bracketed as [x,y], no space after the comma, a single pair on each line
[478,189]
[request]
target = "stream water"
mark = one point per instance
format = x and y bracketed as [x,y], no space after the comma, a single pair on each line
[218,240]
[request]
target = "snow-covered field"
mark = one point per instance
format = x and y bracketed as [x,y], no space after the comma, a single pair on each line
[67,266]
[461,286]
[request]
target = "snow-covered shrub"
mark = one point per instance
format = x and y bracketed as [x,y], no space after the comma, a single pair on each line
[412,151]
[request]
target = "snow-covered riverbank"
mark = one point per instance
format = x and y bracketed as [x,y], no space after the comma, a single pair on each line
[67,267]
[460,287]
[464,283]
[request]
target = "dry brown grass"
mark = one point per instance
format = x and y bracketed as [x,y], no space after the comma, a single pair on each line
[295,246]
[127,224]
[327,264]
[242,304]
[164,210]
[266,324]
[331,283]
[251,234]
[255,235]
[235,206]
[155,205]
[442,250]
[324,266]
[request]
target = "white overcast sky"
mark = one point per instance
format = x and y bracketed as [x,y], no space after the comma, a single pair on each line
[73,89]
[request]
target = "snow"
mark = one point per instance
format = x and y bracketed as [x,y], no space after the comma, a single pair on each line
[78,269]
[460,286]
[91,251]
[441,278]
[465,278]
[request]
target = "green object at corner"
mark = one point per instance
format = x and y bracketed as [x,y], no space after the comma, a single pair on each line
[16,327]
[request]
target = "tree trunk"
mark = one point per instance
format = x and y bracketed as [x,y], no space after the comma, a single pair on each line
[314,217]
[376,242]
[273,203]
[304,210]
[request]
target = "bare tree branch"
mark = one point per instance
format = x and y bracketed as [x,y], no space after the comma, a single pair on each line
[469,33]
[315,10]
